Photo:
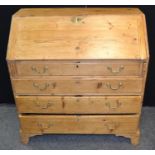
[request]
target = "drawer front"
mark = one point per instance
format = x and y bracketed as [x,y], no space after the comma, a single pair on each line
[84,124]
[78,105]
[77,86]
[37,68]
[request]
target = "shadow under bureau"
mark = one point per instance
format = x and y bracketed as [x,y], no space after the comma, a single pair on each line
[78,71]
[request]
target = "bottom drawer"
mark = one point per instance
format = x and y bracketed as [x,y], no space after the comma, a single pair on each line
[79,124]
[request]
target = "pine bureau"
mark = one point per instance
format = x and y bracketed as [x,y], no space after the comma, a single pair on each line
[79,70]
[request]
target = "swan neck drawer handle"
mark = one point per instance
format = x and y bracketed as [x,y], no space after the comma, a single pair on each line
[111,126]
[121,68]
[43,71]
[114,88]
[113,106]
[43,106]
[44,86]
[44,126]
[41,88]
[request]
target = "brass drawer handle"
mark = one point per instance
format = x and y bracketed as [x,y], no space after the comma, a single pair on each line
[77,66]
[112,105]
[121,68]
[111,126]
[114,88]
[41,88]
[77,19]
[43,106]
[43,71]
[44,86]
[44,126]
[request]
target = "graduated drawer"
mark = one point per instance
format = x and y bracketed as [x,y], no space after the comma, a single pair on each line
[78,105]
[79,124]
[105,68]
[70,85]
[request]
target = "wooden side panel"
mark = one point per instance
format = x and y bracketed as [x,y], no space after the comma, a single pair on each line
[78,86]
[79,124]
[12,68]
[79,105]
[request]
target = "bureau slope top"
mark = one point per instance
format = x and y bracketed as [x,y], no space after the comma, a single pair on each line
[78,33]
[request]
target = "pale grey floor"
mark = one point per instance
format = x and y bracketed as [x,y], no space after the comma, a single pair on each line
[9,136]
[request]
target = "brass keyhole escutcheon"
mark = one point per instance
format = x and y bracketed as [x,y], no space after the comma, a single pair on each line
[77,47]
[77,19]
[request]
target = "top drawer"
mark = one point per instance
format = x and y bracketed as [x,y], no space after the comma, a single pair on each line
[81,68]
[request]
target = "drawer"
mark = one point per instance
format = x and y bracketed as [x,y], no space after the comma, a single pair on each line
[69,85]
[100,68]
[78,104]
[79,124]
